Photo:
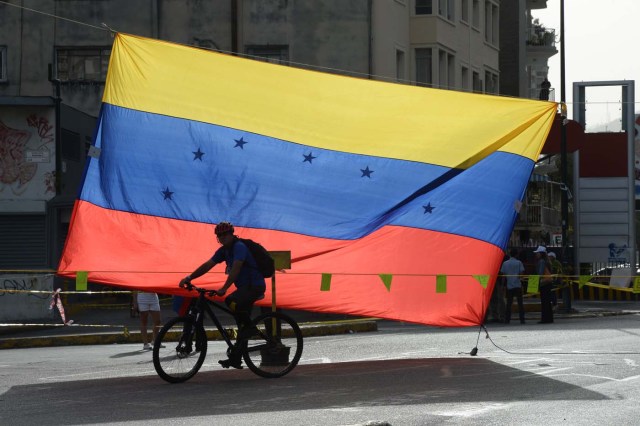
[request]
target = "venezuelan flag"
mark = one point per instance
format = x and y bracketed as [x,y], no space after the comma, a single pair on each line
[403,197]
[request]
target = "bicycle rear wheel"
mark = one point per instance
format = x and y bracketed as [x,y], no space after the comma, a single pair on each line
[179,350]
[275,346]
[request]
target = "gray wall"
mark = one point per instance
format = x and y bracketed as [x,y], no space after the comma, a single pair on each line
[512,20]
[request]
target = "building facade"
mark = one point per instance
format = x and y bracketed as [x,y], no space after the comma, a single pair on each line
[526,45]
[54,69]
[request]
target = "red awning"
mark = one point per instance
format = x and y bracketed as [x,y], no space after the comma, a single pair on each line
[575,137]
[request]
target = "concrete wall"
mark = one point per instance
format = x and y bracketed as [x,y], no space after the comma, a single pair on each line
[391,32]
[197,22]
[329,33]
[25,307]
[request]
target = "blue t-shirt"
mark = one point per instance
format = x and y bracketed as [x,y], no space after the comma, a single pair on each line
[512,268]
[249,274]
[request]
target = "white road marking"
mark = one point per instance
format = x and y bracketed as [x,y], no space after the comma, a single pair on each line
[527,361]
[92,373]
[321,360]
[630,362]
[612,379]
[546,373]
[472,410]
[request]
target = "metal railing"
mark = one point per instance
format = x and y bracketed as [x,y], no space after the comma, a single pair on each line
[534,93]
[539,215]
[541,37]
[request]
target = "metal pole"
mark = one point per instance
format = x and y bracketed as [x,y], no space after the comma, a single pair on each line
[563,162]
[628,109]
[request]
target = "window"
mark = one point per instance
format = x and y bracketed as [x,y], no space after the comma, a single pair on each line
[424,67]
[491,23]
[464,12]
[477,83]
[476,14]
[82,64]
[451,71]
[464,78]
[277,54]
[495,22]
[491,82]
[70,145]
[424,7]
[446,70]
[446,9]
[399,65]
[3,63]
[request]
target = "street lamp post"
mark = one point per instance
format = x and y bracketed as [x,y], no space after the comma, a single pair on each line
[563,160]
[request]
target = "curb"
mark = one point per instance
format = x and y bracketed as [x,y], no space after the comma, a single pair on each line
[308,330]
[573,315]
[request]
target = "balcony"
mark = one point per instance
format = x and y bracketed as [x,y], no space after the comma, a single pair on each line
[539,36]
[541,42]
[536,4]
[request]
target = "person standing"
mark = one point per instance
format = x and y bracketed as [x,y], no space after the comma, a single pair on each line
[147,304]
[546,281]
[512,268]
[545,87]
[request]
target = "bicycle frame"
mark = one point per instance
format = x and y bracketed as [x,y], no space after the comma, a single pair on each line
[264,347]
[203,305]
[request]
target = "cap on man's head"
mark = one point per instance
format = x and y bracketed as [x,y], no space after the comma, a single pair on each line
[540,249]
[551,254]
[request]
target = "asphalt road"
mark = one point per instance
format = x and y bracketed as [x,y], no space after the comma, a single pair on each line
[578,371]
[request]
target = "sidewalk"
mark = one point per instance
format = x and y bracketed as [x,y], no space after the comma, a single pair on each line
[108,326]
[97,326]
[579,309]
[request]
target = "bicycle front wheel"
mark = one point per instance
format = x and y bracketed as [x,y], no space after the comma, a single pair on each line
[179,350]
[275,345]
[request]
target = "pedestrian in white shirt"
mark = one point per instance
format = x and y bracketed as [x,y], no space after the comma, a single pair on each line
[147,303]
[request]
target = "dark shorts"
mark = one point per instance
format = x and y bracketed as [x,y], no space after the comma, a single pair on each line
[243,298]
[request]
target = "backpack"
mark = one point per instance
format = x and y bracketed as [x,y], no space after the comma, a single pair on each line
[265,263]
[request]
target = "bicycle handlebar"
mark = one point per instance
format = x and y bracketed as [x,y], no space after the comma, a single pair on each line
[190,287]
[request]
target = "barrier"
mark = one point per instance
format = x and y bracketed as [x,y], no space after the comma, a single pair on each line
[581,288]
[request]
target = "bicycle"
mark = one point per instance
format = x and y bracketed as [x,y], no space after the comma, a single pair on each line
[271,347]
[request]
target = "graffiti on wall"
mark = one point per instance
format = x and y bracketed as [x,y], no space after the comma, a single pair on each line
[18,302]
[27,154]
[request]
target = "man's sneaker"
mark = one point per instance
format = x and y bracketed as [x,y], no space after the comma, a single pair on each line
[146,347]
[231,362]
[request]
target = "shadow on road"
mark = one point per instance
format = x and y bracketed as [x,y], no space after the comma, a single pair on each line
[132,353]
[317,386]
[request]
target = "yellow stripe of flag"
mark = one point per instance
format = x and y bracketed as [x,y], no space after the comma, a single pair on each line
[329,111]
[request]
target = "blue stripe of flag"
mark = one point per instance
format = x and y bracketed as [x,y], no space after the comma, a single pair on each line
[163,166]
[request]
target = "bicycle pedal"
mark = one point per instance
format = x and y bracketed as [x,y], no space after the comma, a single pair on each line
[226,363]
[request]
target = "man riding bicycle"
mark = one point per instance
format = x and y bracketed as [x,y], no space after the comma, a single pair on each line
[242,271]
